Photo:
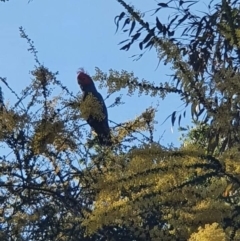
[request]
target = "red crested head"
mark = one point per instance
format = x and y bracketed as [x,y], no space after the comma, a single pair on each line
[83,78]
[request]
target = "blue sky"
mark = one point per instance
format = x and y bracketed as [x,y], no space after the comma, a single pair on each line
[72,34]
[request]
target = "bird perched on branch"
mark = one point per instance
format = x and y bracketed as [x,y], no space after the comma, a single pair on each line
[96,113]
[1,100]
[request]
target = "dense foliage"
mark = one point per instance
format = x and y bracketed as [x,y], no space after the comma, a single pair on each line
[58,183]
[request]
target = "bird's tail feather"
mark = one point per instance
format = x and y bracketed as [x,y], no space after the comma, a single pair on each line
[105,140]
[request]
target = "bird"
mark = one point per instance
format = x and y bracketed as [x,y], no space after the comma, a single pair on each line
[1,100]
[98,122]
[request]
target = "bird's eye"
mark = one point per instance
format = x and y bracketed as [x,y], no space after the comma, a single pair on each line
[85,80]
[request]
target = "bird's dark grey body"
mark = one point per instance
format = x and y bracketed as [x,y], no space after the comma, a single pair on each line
[100,126]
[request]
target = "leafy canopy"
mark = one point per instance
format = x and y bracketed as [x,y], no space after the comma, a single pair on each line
[58,183]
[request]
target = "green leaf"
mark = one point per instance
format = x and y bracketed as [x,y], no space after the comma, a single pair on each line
[173,118]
